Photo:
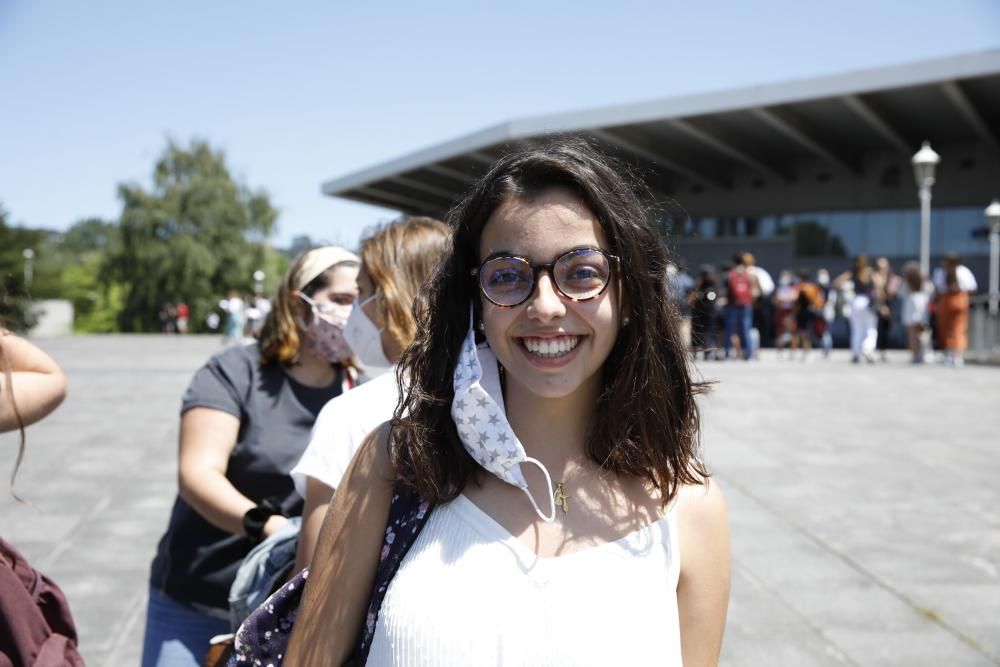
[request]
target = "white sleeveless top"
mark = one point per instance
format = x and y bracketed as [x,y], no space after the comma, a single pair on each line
[469,593]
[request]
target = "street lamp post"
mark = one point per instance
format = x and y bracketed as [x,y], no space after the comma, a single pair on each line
[924,163]
[993,222]
[29,256]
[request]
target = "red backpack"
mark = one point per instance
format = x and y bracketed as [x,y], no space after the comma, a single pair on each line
[740,288]
[36,627]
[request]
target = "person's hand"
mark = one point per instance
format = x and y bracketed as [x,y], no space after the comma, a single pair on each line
[274,524]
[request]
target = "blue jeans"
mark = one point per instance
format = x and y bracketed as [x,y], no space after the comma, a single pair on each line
[741,317]
[176,635]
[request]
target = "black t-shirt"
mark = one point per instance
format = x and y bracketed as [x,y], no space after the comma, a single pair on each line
[196,562]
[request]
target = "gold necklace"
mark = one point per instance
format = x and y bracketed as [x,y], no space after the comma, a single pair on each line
[560,497]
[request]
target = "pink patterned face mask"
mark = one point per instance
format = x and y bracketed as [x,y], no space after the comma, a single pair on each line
[324,335]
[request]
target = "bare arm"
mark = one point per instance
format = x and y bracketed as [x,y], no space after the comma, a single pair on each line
[208,437]
[343,567]
[37,384]
[318,497]
[703,589]
[839,281]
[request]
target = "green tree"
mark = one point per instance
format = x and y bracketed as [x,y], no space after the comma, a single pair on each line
[89,235]
[15,297]
[196,235]
[70,265]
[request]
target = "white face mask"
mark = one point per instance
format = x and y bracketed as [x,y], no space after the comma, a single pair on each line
[482,423]
[324,335]
[366,341]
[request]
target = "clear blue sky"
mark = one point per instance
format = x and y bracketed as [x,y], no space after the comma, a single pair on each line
[298,93]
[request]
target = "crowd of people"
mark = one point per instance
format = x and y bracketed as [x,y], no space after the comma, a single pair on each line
[174,318]
[734,309]
[239,317]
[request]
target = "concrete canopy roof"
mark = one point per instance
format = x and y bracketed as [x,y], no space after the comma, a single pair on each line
[766,138]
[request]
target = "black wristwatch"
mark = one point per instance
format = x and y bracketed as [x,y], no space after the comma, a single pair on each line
[256,517]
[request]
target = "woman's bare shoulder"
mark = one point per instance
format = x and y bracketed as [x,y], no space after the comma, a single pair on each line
[707,492]
[372,462]
[701,511]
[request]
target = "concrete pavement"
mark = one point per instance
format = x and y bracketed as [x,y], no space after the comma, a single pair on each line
[864,501]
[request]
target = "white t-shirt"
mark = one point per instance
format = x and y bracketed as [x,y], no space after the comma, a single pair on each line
[966,281]
[341,427]
[764,281]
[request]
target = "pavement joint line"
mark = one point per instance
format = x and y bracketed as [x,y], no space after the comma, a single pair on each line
[136,612]
[102,504]
[839,653]
[916,607]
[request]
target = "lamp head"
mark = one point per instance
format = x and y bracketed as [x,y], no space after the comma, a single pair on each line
[924,163]
[992,213]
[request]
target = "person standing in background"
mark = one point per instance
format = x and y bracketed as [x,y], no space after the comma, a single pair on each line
[760,331]
[183,313]
[785,297]
[954,283]
[235,310]
[808,308]
[704,301]
[867,288]
[741,292]
[824,324]
[886,301]
[916,296]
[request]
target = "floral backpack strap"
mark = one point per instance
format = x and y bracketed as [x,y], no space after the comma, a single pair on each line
[263,636]
[407,516]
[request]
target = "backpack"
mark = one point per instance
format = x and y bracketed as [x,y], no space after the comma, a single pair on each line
[263,637]
[811,296]
[268,565]
[36,626]
[740,288]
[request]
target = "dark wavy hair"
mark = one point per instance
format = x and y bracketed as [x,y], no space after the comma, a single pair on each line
[646,423]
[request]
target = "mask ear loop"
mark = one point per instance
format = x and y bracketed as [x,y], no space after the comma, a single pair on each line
[548,481]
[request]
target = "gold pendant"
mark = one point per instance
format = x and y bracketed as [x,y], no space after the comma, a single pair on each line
[560,497]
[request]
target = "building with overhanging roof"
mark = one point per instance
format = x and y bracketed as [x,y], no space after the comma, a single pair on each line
[802,173]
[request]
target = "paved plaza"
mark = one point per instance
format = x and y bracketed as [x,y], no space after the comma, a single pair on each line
[864,501]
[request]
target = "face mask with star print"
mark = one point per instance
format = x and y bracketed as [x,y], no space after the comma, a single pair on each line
[482,423]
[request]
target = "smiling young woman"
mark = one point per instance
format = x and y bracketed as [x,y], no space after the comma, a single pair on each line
[550,425]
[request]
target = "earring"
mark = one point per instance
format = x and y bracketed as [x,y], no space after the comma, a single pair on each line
[625,321]
[481,326]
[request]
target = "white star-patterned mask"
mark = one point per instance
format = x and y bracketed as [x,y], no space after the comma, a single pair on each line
[482,423]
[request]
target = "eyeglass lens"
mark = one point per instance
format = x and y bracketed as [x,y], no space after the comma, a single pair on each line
[579,274]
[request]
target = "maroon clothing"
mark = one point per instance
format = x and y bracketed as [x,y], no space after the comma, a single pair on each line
[36,627]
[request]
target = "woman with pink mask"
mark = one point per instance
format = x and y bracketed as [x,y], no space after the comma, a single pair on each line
[550,430]
[245,420]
